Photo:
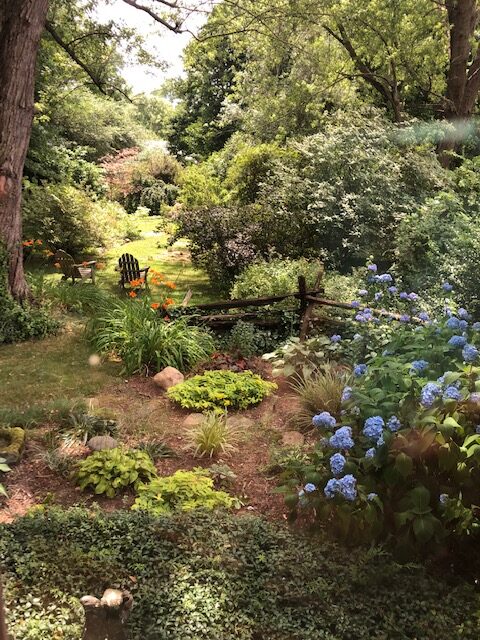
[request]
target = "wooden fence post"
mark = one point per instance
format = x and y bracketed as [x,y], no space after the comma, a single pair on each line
[105,618]
[307,314]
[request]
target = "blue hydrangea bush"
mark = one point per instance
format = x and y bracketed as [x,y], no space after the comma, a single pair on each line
[403,461]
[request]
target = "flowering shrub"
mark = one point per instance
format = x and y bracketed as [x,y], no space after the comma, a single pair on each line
[403,460]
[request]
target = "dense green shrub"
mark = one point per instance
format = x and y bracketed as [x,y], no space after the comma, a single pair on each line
[201,575]
[221,390]
[182,491]
[112,470]
[20,322]
[67,218]
[200,186]
[274,277]
[143,340]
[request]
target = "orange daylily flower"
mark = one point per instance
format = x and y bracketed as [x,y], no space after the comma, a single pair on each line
[155,305]
[169,301]
[39,242]
[28,243]
[170,284]
[132,294]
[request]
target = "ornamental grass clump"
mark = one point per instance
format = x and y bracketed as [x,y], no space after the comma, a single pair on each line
[401,461]
[221,390]
[133,331]
[212,437]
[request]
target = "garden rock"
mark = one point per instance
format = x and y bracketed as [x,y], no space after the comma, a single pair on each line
[168,377]
[193,420]
[240,422]
[293,439]
[101,443]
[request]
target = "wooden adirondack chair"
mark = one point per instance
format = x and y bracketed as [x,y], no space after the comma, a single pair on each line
[83,271]
[130,270]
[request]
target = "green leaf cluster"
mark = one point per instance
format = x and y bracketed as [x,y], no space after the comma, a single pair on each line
[221,390]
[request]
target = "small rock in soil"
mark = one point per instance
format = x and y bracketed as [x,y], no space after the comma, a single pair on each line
[193,420]
[240,422]
[168,377]
[293,439]
[101,443]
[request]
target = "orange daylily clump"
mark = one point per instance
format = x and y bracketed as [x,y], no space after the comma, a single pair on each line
[170,284]
[27,243]
[155,305]
[39,242]
[168,302]
[132,294]
[137,283]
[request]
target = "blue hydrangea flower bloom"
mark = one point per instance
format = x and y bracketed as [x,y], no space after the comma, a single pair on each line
[372,267]
[370,453]
[378,296]
[413,296]
[331,488]
[443,499]
[451,393]
[394,424]
[469,353]
[423,315]
[336,338]
[346,394]
[463,314]
[372,496]
[419,365]
[309,487]
[474,397]
[360,370]
[429,394]
[392,290]
[385,277]
[357,336]
[355,304]
[348,487]
[362,317]
[404,318]
[463,325]
[374,427]
[457,342]
[453,323]
[362,292]
[476,326]
[380,441]
[324,420]
[446,286]
[403,295]
[342,438]
[337,463]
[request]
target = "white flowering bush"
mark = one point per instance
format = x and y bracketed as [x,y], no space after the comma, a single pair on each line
[403,461]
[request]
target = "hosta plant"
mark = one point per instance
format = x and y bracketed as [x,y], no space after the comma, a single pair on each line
[221,390]
[111,471]
[183,491]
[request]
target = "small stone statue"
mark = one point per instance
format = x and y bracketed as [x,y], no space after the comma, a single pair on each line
[105,618]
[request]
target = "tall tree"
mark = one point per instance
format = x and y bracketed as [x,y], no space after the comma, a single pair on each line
[21,26]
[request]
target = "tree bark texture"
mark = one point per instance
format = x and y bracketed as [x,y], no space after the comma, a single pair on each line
[21,26]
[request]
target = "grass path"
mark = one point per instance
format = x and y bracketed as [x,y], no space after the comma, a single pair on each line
[36,373]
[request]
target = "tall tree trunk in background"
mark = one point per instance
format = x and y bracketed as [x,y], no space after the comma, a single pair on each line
[463,76]
[21,26]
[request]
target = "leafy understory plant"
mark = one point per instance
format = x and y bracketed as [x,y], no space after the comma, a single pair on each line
[156,449]
[213,436]
[182,491]
[221,390]
[115,469]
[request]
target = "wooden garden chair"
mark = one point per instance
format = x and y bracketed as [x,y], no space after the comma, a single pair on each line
[130,271]
[83,271]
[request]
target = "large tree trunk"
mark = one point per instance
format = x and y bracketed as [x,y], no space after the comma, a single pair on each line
[21,26]
[463,76]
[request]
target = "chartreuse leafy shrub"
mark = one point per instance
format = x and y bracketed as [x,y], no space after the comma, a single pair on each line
[112,470]
[401,462]
[221,390]
[134,331]
[182,491]
[19,322]
[204,575]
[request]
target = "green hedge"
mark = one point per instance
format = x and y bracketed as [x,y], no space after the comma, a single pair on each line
[198,576]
